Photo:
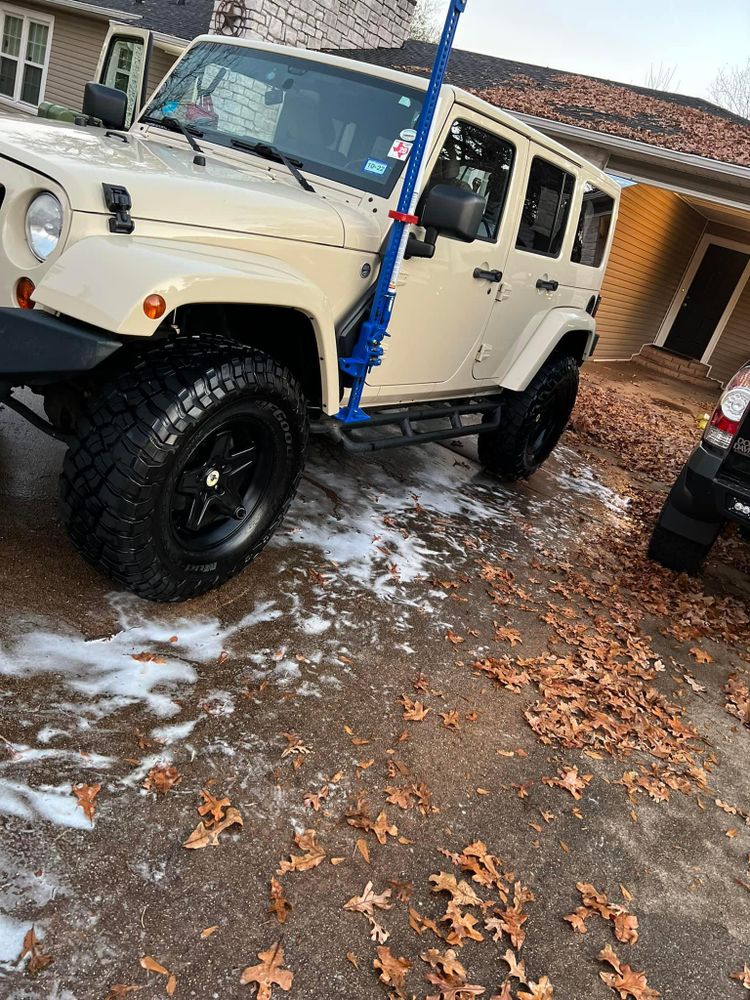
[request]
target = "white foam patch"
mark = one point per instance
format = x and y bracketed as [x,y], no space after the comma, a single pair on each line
[104,672]
[55,804]
[174,733]
[12,932]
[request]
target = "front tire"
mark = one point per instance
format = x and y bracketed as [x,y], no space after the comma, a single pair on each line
[184,466]
[533,422]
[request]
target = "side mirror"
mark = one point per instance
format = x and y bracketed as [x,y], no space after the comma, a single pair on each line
[107,104]
[447,211]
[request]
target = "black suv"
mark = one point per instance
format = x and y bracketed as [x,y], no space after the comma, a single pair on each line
[713,488]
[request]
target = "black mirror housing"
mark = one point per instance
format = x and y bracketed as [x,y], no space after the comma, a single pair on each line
[107,104]
[451,211]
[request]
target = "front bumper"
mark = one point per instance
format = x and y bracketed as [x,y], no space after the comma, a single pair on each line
[706,494]
[37,348]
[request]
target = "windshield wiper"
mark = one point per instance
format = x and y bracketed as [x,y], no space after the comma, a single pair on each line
[272,153]
[174,125]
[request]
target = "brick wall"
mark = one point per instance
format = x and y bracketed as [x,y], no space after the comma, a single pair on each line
[317,24]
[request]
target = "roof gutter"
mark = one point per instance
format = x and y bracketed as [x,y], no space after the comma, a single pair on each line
[686,173]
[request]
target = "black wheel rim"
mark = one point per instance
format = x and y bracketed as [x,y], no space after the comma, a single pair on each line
[547,421]
[221,483]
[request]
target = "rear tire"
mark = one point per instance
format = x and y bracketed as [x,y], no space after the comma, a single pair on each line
[184,465]
[675,552]
[533,422]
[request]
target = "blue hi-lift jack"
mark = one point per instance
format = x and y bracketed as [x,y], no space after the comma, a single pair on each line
[368,351]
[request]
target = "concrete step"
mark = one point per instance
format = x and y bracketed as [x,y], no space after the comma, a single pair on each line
[680,375]
[672,363]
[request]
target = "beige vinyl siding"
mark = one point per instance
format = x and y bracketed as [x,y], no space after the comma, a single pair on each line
[76,44]
[161,63]
[656,235]
[733,349]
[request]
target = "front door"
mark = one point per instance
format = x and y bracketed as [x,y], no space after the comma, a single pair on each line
[706,301]
[443,304]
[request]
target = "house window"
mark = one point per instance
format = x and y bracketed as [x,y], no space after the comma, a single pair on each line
[546,209]
[594,224]
[24,55]
[477,161]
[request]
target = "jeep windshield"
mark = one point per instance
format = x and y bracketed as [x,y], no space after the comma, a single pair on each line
[333,122]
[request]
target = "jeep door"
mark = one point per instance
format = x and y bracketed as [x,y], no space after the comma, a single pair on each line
[539,275]
[444,304]
[123,64]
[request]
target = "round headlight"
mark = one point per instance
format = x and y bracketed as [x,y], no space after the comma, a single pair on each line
[44,222]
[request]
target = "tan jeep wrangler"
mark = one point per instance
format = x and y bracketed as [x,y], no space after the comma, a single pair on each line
[181,294]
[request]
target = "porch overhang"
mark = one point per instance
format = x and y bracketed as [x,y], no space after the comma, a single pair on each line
[684,173]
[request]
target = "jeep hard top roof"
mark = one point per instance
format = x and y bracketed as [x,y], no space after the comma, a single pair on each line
[462,97]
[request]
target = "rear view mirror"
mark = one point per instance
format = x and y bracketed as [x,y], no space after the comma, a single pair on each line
[107,104]
[453,212]
[447,210]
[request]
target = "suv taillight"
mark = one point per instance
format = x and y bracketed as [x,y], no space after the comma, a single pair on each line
[729,414]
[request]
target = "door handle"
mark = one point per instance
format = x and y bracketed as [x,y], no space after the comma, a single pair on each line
[494,276]
[547,286]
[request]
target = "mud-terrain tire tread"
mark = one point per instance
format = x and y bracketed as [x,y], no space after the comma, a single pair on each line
[675,552]
[136,422]
[503,452]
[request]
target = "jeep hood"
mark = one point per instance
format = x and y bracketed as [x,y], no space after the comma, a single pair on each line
[166,186]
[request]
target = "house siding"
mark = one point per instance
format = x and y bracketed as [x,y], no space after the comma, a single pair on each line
[656,235]
[76,44]
[733,349]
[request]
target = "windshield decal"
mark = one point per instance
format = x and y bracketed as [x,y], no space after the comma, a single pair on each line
[409,135]
[400,150]
[378,167]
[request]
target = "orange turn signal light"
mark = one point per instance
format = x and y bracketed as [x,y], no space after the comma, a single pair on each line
[24,290]
[154,306]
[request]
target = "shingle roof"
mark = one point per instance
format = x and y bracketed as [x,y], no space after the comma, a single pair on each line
[181,18]
[686,124]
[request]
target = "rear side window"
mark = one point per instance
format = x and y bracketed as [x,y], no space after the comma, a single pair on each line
[546,209]
[594,225]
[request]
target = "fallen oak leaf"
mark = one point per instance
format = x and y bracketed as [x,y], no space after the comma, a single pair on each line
[37,961]
[313,854]
[369,901]
[541,990]
[701,656]
[624,980]
[743,976]
[364,850]
[451,720]
[392,970]
[570,780]
[208,836]
[208,931]
[171,985]
[213,806]
[162,778]
[626,928]
[118,990]
[280,905]
[86,795]
[421,924]
[516,970]
[414,711]
[268,973]
[151,965]
[461,892]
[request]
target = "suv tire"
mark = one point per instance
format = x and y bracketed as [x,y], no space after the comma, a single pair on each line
[184,465]
[675,552]
[533,421]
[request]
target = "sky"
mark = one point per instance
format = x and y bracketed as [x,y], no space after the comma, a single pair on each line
[616,40]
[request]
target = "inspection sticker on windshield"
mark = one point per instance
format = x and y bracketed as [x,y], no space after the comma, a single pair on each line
[409,135]
[400,150]
[378,167]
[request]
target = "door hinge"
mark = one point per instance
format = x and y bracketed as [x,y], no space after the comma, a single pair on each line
[483,353]
[119,202]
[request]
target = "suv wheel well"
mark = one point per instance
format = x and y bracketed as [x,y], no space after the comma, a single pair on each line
[287,335]
[573,344]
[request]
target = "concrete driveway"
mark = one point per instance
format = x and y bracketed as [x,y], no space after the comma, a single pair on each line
[573,720]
